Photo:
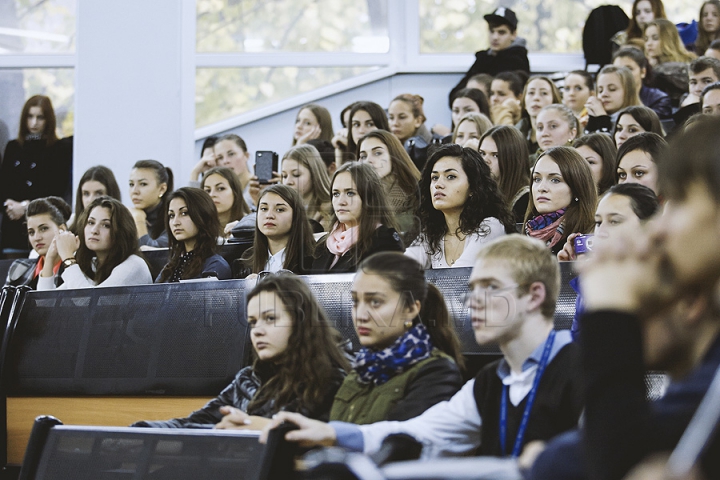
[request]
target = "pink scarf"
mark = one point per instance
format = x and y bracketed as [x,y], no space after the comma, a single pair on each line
[341,240]
[551,234]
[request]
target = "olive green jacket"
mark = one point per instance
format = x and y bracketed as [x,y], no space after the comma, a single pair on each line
[404,396]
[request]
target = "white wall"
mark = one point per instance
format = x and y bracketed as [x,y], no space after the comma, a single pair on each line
[132,63]
[275,132]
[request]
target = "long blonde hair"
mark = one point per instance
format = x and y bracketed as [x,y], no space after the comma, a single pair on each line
[309,157]
[671,46]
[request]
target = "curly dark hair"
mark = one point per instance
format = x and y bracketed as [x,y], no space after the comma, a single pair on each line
[296,380]
[484,198]
[203,213]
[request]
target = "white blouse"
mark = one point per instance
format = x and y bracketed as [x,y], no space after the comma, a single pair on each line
[133,271]
[420,250]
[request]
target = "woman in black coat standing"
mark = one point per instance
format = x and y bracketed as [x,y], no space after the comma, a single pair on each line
[35,165]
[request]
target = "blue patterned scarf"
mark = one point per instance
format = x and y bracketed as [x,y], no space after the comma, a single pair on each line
[378,367]
[544,220]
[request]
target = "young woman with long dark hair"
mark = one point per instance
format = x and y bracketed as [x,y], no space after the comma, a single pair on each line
[398,175]
[505,151]
[96,182]
[283,235]
[35,165]
[150,184]
[363,223]
[410,357]
[193,225]
[564,197]
[599,151]
[636,160]
[105,254]
[634,120]
[461,209]
[225,190]
[364,118]
[297,364]
[708,25]
[45,218]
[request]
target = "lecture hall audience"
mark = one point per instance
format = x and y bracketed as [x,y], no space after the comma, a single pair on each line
[401,199]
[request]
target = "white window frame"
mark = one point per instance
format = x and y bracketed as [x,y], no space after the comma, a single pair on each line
[403,57]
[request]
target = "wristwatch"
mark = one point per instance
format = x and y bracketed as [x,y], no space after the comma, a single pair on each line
[69,262]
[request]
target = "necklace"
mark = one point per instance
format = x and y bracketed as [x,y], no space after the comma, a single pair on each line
[454,247]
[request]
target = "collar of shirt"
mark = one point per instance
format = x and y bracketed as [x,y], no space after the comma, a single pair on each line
[520,384]
[275,262]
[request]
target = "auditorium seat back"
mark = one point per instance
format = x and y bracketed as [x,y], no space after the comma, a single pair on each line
[113,356]
[82,452]
[178,339]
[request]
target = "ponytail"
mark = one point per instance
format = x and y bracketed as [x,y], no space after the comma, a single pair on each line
[407,276]
[436,318]
[164,175]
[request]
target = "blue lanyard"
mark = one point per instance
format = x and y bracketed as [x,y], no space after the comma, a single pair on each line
[530,400]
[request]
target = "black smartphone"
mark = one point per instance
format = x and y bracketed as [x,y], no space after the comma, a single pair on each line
[266,162]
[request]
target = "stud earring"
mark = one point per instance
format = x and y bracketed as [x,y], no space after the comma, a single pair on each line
[408,324]
[576,199]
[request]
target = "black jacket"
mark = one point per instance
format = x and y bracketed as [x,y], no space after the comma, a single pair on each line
[22,270]
[242,267]
[621,426]
[239,394]
[384,240]
[491,62]
[29,171]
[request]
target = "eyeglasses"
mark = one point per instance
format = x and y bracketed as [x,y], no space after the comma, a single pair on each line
[485,292]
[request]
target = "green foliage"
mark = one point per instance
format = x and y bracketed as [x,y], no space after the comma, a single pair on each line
[226,92]
[287,25]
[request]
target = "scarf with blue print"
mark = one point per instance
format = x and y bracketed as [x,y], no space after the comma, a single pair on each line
[378,367]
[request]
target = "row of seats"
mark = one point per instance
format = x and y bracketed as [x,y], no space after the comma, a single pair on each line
[104,356]
[58,452]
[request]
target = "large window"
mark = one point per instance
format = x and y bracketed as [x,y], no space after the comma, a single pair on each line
[37,47]
[254,53]
[37,26]
[292,26]
[227,92]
